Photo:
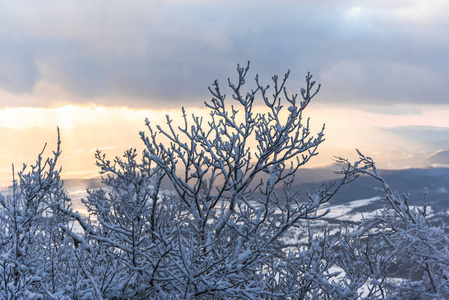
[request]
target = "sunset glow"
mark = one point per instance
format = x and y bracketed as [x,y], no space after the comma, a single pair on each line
[113,130]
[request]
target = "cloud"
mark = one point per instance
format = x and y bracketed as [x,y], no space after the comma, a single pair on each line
[166,53]
[424,138]
[386,82]
[18,71]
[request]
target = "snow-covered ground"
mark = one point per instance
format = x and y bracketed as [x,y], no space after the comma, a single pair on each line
[345,211]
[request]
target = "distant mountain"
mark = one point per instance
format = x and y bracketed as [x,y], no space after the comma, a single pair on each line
[411,182]
[438,159]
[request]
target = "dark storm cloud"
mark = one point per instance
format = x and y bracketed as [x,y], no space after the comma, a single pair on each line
[148,51]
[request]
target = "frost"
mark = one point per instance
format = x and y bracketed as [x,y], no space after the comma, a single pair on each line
[232,226]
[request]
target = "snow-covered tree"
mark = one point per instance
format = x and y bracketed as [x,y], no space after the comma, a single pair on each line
[397,252]
[232,175]
[31,241]
[136,225]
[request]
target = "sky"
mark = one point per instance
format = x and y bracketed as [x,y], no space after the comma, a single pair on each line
[98,70]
